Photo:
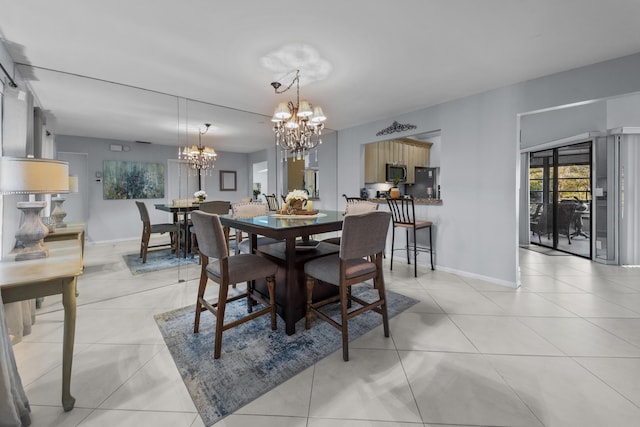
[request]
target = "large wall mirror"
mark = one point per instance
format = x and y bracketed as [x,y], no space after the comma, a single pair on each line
[89,116]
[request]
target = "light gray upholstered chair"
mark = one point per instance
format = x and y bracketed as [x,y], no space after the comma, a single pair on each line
[148,229]
[250,210]
[354,207]
[360,259]
[225,271]
[219,207]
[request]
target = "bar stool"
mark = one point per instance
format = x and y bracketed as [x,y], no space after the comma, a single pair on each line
[403,214]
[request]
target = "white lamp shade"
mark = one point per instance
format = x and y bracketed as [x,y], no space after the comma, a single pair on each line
[73,183]
[304,110]
[318,115]
[282,111]
[33,176]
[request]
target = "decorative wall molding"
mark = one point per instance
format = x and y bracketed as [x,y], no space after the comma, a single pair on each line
[396,127]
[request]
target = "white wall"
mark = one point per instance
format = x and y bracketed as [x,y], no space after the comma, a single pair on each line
[477,224]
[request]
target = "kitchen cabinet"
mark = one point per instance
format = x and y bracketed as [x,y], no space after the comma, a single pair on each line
[401,151]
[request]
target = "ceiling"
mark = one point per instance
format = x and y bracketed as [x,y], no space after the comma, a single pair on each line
[156,70]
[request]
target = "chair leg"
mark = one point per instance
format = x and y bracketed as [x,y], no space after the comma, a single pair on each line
[201,288]
[271,284]
[393,240]
[145,247]
[250,297]
[345,323]
[222,303]
[415,253]
[431,246]
[307,320]
[379,284]
[407,247]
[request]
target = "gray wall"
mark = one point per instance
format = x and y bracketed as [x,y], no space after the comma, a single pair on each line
[563,123]
[112,220]
[480,161]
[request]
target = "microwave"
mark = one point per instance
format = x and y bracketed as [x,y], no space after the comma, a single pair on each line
[395,170]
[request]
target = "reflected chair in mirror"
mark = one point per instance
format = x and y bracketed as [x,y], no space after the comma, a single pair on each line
[219,207]
[272,202]
[148,229]
[359,260]
[354,207]
[227,270]
[250,210]
[403,213]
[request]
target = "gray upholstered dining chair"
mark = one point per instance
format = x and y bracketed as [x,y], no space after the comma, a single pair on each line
[219,207]
[359,259]
[148,229]
[227,270]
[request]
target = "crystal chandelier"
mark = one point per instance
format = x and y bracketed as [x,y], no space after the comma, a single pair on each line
[200,158]
[297,127]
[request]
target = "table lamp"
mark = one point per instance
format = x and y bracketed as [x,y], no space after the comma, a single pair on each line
[58,213]
[32,176]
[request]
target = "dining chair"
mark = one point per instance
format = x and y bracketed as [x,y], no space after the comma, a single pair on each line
[227,270]
[148,229]
[354,207]
[403,213]
[272,202]
[352,199]
[220,207]
[250,210]
[360,259]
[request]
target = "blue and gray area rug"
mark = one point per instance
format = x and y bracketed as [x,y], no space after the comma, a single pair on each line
[156,260]
[254,359]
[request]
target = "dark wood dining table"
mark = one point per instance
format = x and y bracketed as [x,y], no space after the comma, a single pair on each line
[290,286]
[177,210]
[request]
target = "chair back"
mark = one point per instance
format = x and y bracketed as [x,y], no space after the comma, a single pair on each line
[364,234]
[144,213]
[245,200]
[219,207]
[211,239]
[402,210]
[351,199]
[249,209]
[272,201]
[356,207]
[182,202]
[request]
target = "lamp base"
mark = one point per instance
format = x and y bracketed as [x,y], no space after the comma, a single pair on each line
[58,213]
[32,232]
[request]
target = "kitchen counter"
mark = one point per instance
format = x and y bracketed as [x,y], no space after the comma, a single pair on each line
[416,201]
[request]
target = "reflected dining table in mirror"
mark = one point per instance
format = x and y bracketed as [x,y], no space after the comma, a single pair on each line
[178,210]
[290,254]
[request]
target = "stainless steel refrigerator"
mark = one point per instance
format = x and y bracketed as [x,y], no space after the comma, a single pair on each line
[425,185]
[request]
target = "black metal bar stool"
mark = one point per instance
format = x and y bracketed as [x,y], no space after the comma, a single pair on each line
[403,214]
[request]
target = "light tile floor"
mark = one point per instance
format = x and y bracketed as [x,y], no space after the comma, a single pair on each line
[563,350]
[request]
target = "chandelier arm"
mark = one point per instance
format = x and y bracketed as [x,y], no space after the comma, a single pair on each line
[276,85]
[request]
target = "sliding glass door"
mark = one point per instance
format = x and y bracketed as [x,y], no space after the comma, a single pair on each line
[560,198]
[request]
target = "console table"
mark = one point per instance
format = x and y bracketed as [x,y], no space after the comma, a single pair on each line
[56,274]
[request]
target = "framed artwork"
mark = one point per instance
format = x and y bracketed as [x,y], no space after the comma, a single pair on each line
[227,180]
[132,180]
